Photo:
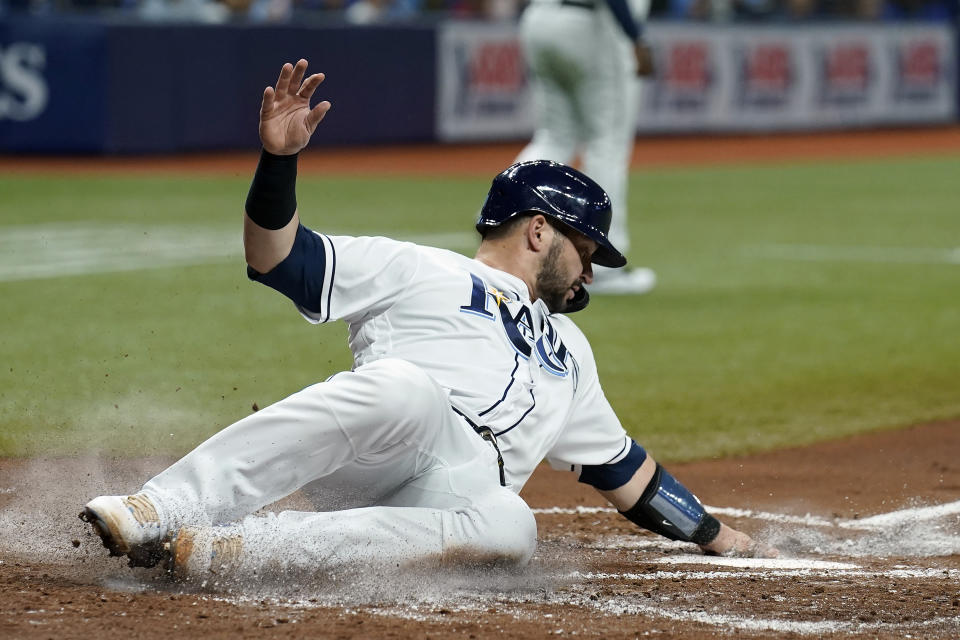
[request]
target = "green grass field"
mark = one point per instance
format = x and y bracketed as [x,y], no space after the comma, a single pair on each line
[796,303]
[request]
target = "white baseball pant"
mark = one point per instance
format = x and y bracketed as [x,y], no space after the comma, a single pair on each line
[397,478]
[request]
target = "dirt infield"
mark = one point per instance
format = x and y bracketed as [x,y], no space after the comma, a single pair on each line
[869,526]
[487,159]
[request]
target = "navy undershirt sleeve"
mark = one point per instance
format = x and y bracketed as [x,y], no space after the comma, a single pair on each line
[300,275]
[621,11]
[607,477]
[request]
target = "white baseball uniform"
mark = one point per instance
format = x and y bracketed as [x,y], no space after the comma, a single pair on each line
[585,93]
[388,452]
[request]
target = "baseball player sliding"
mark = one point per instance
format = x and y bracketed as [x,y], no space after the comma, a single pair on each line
[467,373]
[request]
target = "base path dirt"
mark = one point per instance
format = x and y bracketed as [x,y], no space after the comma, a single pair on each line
[488,159]
[869,527]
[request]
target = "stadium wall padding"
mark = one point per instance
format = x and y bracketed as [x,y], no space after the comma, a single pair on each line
[85,86]
[139,88]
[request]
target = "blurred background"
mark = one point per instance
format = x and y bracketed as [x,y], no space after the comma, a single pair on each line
[122,76]
[380,11]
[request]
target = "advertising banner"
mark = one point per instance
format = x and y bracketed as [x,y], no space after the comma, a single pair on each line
[126,87]
[729,78]
[481,82]
[52,86]
[743,78]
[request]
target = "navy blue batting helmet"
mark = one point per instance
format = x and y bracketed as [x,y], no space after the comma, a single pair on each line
[558,191]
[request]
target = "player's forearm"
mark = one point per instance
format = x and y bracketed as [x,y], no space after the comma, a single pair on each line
[263,248]
[271,220]
[648,495]
[656,501]
[625,496]
[667,507]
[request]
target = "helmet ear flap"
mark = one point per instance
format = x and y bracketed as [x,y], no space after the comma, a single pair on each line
[580,299]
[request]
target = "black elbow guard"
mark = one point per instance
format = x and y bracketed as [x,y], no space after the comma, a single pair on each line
[670,509]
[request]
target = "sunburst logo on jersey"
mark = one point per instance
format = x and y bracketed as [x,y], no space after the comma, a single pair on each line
[498,296]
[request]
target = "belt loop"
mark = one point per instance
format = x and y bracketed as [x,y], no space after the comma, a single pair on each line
[487,434]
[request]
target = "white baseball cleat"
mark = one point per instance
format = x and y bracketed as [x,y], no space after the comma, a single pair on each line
[195,552]
[623,281]
[127,525]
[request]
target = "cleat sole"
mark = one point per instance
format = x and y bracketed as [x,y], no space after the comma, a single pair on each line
[147,555]
[102,528]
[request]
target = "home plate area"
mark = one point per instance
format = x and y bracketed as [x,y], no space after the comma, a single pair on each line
[890,575]
[595,575]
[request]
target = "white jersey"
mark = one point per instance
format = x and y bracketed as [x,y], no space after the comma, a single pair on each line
[505,361]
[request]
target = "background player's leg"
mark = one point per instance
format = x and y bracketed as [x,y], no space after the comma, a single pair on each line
[555,136]
[608,98]
[558,57]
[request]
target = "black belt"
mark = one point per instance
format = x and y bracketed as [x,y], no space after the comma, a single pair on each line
[583,4]
[487,434]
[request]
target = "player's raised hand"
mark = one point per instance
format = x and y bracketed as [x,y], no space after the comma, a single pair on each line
[286,119]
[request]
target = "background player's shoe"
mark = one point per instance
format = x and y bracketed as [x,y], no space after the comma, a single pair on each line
[623,281]
[195,552]
[127,525]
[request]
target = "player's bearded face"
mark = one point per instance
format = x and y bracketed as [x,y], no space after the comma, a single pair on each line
[554,280]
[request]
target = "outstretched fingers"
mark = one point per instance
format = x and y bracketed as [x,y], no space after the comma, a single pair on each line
[283,82]
[310,85]
[296,77]
[316,115]
[286,119]
[269,97]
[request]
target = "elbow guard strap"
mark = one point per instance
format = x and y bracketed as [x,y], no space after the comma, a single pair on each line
[272,199]
[670,509]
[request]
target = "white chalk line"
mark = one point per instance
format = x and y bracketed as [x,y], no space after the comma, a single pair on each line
[807,520]
[573,510]
[904,516]
[879,521]
[829,253]
[32,252]
[757,563]
[29,252]
[783,518]
[620,606]
[842,570]
[513,604]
